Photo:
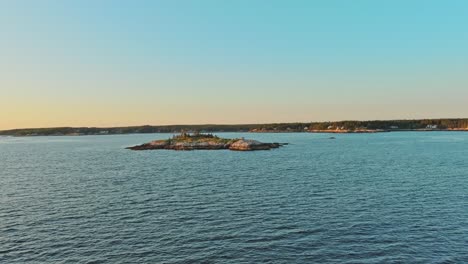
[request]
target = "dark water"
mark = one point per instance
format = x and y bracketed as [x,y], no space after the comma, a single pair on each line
[376,198]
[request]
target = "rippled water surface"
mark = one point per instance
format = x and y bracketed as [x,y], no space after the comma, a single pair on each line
[364,198]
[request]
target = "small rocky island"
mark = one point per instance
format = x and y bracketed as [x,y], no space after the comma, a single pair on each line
[187,141]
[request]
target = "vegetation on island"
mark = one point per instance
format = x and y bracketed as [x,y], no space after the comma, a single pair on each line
[198,137]
[387,125]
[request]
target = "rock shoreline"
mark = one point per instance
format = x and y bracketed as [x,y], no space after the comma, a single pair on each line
[347,131]
[206,142]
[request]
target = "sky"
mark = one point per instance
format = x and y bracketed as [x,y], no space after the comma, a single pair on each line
[118,63]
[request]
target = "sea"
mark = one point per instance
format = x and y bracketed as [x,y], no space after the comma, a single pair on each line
[398,197]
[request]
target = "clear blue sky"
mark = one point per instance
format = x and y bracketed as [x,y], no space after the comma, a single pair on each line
[105,63]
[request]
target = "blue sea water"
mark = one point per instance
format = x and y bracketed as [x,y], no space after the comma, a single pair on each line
[398,197]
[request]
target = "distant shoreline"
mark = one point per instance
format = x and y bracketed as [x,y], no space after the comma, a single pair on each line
[366,131]
[257,132]
[336,127]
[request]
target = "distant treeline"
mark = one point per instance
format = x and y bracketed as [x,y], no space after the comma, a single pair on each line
[374,124]
[279,127]
[125,130]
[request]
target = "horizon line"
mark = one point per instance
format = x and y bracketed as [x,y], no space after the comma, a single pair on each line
[239,124]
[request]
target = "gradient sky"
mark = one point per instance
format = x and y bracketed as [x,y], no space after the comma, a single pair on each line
[117,63]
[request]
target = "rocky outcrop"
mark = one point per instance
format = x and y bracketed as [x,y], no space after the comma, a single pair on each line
[212,143]
[179,145]
[249,145]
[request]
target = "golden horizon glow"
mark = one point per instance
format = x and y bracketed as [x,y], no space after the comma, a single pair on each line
[73,65]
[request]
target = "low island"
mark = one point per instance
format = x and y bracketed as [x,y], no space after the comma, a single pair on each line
[186,141]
